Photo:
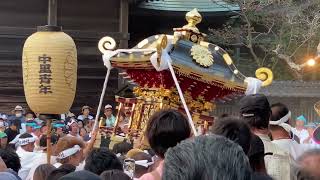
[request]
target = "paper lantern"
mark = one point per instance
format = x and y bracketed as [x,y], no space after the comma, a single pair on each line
[49,71]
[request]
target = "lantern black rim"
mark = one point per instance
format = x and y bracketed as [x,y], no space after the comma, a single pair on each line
[48,28]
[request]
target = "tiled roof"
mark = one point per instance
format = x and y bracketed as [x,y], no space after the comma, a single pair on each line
[293,89]
[205,6]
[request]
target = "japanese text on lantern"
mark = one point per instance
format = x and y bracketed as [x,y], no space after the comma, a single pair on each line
[45,74]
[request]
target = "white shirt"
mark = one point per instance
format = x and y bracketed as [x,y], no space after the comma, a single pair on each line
[27,160]
[291,147]
[278,165]
[303,134]
[81,117]
[23,128]
[42,160]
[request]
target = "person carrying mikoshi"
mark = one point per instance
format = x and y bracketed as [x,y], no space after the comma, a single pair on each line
[255,110]
[25,151]
[73,150]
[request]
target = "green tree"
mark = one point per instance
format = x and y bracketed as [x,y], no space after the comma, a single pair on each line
[273,33]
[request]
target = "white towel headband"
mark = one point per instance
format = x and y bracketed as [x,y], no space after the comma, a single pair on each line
[25,141]
[282,122]
[71,122]
[144,163]
[69,152]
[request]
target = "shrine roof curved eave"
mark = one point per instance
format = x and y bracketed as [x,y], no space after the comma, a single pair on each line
[168,13]
[203,6]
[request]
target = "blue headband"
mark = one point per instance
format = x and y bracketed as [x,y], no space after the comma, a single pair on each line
[58,125]
[31,124]
[36,127]
[302,118]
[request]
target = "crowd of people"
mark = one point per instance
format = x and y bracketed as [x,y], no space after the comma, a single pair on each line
[258,144]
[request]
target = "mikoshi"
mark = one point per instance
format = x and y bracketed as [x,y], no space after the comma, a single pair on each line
[180,71]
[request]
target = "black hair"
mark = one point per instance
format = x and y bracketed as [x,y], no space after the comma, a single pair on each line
[16,122]
[25,135]
[43,140]
[11,159]
[30,112]
[279,110]
[165,129]
[260,120]
[114,175]
[122,147]
[256,154]
[140,170]
[255,110]
[61,171]
[101,159]
[234,129]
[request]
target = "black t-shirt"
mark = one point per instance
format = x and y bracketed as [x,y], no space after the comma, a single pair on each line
[11,134]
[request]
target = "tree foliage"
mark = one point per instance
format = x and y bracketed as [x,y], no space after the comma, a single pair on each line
[273,32]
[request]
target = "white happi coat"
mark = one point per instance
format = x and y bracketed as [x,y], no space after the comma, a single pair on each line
[291,147]
[27,160]
[38,162]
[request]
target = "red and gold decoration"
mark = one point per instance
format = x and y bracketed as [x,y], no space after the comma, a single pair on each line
[204,71]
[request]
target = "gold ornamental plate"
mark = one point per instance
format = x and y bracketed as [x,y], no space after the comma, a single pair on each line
[202,55]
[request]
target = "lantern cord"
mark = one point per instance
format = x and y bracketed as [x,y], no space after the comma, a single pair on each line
[96,121]
[182,98]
